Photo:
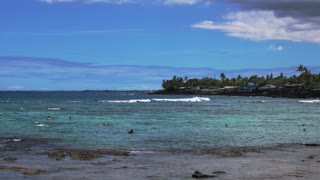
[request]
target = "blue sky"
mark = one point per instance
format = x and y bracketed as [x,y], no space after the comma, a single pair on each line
[134,44]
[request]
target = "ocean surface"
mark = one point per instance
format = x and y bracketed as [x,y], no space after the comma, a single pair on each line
[159,122]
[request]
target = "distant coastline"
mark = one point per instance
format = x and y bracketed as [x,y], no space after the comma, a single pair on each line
[305,85]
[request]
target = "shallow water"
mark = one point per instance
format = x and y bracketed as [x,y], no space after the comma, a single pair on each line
[103,119]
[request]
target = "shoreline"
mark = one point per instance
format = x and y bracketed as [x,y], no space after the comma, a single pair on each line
[273,93]
[31,158]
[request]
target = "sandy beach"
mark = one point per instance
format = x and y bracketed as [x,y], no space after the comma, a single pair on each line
[26,158]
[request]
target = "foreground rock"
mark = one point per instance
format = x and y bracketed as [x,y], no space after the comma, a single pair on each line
[231,153]
[219,172]
[10,159]
[81,154]
[22,170]
[198,174]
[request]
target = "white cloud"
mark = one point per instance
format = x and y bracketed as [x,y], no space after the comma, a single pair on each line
[264,25]
[276,48]
[187,2]
[165,2]
[15,87]
[110,1]
[57,1]
[89,1]
[181,2]
[56,74]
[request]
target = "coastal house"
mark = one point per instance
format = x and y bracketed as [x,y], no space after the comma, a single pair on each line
[294,86]
[267,87]
[229,89]
[249,88]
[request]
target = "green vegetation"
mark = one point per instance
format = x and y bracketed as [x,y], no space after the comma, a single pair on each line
[304,81]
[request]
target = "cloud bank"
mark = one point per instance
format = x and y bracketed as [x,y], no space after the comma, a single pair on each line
[264,25]
[165,2]
[55,74]
[89,1]
[293,20]
[294,8]
[57,1]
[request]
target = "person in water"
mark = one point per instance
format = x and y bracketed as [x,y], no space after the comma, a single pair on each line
[70,118]
[49,118]
[131,131]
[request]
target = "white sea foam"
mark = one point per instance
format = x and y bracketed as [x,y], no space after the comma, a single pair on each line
[310,101]
[42,125]
[142,152]
[74,101]
[131,101]
[54,109]
[194,99]
[17,140]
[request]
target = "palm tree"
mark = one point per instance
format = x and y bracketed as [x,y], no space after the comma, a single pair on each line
[302,69]
[222,76]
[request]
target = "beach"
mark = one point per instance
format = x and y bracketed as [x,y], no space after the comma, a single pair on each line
[39,159]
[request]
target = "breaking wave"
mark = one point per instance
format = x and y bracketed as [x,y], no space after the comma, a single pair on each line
[54,109]
[194,99]
[131,101]
[310,101]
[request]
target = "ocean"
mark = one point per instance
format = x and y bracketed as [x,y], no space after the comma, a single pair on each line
[159,122]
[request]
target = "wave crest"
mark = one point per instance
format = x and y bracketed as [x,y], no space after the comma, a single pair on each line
[193,99]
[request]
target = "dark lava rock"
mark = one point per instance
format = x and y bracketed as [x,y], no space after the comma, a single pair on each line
[219,172]
[10,159]
[198,174]
[311,156]
[22,170]
[312,144]
[58,155]
[82,154]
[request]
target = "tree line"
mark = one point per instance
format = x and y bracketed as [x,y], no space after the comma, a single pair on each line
[305,78]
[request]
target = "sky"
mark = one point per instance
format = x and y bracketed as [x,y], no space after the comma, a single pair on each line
[135,44]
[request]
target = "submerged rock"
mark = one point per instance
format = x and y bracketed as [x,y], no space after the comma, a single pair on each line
[198,174]
[22,170]
[81,154]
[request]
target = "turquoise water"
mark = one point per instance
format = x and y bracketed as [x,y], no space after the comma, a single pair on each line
[158,125]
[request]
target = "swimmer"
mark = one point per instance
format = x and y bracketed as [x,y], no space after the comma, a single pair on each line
[131,131]
[70,118]
[49,118]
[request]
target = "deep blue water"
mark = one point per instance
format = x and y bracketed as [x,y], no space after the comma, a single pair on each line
[221,122]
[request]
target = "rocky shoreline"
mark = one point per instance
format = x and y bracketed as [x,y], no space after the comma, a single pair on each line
[275,93]
[39,159]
